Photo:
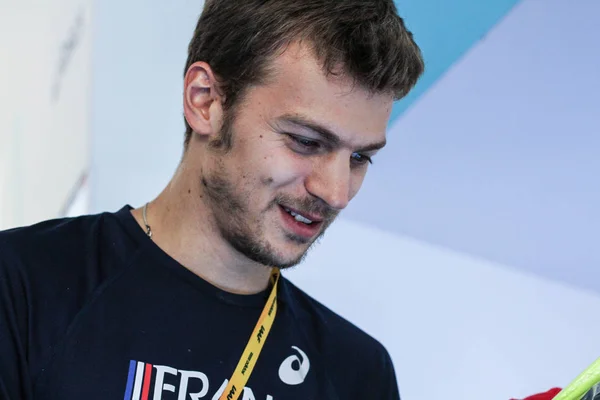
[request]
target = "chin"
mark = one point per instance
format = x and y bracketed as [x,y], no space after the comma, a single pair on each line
[275,249]
[292,254]
[270,253]
[288,255]
[290,262]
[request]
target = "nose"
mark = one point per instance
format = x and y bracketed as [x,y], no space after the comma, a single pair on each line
[330,182]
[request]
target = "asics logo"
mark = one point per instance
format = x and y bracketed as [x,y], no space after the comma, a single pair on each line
[293,370]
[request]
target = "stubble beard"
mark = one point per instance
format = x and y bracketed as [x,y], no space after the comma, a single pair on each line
[244,233]
[232,218]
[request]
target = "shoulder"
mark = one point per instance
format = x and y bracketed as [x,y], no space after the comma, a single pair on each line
[36,247]
[329,324]
[51,248]
[51,270]
[351,351]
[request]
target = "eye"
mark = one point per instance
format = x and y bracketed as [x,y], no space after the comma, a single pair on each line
[303,144]
[361,159]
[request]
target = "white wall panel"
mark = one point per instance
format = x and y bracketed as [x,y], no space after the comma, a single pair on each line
[44,106]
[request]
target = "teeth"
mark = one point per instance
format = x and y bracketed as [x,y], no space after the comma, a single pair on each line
[298,217]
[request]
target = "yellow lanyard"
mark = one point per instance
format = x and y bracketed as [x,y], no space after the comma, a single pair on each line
[580,385]
[242,372]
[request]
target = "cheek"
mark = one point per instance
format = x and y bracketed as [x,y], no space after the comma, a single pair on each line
[283,168]
[356,180]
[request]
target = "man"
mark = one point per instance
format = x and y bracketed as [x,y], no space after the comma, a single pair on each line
[286,102]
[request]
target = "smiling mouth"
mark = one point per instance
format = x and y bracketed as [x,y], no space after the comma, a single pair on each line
[305,218]
[298,217]
[304,226]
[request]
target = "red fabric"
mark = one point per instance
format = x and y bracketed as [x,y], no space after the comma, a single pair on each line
[549,395]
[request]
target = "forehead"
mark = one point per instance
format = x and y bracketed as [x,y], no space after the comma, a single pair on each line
[298,85]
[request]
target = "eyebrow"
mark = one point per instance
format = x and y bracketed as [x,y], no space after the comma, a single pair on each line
[326,133]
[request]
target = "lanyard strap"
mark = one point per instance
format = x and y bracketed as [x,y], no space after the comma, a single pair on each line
[580,385]
[242,372]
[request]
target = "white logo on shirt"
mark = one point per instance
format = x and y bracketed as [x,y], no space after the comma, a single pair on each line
[294,376]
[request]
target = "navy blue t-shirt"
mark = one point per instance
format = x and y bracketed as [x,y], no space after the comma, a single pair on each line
[90,308]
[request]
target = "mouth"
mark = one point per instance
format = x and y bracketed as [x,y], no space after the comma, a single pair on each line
[302,217]
[301,224]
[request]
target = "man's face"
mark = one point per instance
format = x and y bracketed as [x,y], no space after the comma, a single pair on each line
[300,151]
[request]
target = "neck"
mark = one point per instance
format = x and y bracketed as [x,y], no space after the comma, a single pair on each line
[183,227]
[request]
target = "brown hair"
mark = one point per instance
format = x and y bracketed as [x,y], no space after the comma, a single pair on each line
[366,38]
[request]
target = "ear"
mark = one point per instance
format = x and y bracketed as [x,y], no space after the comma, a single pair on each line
[202,105]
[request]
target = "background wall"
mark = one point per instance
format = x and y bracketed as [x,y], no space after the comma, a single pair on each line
[472,250]
[45,76]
